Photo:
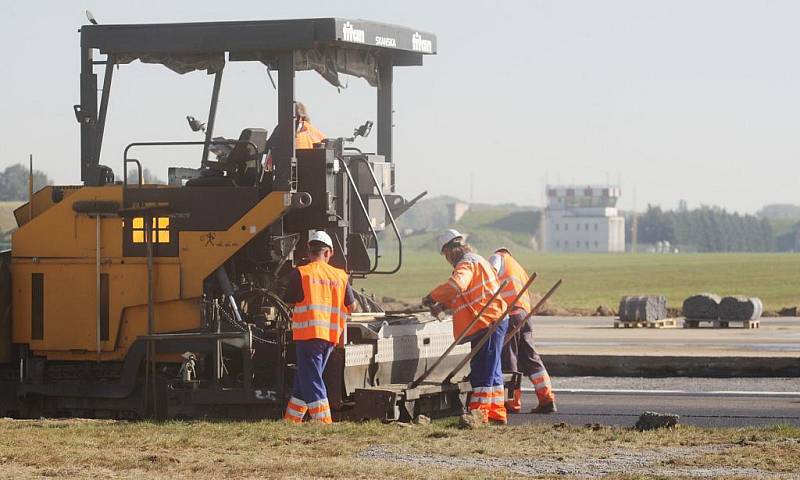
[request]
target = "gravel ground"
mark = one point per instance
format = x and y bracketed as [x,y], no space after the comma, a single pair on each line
[613,461]
[690,384]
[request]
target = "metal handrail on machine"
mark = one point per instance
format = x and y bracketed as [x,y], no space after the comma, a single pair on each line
[391,219]
[126,160]
[366,215]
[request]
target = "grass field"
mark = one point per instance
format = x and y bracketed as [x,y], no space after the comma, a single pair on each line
[594,279]
[106,449]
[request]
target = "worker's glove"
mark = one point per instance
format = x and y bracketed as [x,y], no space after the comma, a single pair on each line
[428,301]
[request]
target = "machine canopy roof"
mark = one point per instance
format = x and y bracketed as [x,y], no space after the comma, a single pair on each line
[327,45]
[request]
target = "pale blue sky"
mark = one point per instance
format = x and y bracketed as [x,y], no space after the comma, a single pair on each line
[678,99]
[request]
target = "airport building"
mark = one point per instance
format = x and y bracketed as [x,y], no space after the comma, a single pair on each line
[583,219]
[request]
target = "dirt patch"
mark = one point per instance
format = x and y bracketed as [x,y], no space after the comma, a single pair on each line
[650,461]
[394,305]
[604,311]
[549,309]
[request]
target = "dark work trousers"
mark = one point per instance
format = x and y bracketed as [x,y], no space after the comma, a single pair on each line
[519,355]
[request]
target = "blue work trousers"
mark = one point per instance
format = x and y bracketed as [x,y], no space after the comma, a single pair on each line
[312,356]
[486,367]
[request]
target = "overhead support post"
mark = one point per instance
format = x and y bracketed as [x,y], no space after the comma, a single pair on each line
[385,120]
[212,114]
[86,114]
[101,121]
[283,152]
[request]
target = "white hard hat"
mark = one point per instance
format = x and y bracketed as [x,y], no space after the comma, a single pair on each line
[446,237]
[320,236]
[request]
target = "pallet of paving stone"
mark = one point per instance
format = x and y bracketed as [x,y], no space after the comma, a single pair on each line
[661,323]
[642,308]
[706,323]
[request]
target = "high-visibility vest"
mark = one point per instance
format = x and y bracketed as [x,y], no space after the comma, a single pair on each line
[322,312]
[308,136]
[517,277]
[471,300]
[305,138]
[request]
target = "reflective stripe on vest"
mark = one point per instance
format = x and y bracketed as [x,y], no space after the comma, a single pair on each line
[516,276]
[322,313]
[471,300]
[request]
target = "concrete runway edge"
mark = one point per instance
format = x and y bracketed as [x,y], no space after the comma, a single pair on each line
[670,366]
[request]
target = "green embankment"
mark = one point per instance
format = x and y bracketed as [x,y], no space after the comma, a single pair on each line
[594,279]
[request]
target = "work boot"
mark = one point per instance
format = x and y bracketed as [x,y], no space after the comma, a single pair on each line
[549,407]
[514,405]
[495,421]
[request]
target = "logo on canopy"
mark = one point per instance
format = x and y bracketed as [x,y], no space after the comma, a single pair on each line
[351,34]
[421,44]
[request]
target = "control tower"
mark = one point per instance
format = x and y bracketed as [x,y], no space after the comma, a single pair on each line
[583,218]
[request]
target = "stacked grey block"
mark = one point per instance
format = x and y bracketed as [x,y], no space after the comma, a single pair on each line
[740,308]
[643,308]
[704,306]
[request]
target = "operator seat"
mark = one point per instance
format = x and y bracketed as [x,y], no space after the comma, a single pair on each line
[241,164]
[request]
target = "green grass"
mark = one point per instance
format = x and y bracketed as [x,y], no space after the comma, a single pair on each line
[268,449]
[594,279]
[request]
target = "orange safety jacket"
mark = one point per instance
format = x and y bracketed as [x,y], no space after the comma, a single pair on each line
[308,136]
[512,271]
[471,285]
[322,312]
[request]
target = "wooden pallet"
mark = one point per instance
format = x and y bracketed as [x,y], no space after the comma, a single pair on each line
[663,323]
[705,323]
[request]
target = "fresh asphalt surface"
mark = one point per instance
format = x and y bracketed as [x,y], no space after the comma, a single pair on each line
[702,402]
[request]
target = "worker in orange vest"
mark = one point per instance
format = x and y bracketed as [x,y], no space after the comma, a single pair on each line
[305,136]
[519,353]
[466,292]
[322,300]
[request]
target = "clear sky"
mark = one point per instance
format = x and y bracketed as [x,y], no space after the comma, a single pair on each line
[695,100]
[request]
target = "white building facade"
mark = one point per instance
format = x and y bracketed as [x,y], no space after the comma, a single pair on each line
[583,219]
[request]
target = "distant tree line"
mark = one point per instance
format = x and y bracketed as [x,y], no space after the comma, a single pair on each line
[148,177]
[14,182]
[707,229]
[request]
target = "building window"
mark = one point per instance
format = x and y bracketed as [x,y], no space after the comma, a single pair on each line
[596,244]
[566,227]
[587,244]
[595,227]
[558,243]
[160,230]
[587,227]
[566,243]
[557,227]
